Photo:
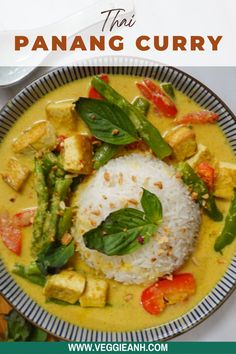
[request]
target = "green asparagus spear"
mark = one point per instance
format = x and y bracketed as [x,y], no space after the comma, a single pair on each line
[24,272]
[59,194]
[228,233]
[197,186]
[168,88]
[65,222]
[107,151]
[51,179]
[43,196]
[145,129]
[50,160]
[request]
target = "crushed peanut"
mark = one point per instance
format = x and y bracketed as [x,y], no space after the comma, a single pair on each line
[169,277]
[66,238]
[158,184]
[60,213]
[166,229]
[194,195]
[120,178]
[92,222]
[115,132]
[178,175]
[96,212]
[164,239]
[133,201]
[107,176]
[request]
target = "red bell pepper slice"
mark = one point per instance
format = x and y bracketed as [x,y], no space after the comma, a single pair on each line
[207,173]
[24,218]
[154,93]
[93,92]
[144,91]
[165,105]
[201,117]
[166,292]
[153,87]
[10,234]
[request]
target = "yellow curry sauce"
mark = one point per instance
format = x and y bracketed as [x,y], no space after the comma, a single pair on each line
[124,311]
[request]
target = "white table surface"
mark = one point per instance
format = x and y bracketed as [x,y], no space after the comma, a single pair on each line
[221,325]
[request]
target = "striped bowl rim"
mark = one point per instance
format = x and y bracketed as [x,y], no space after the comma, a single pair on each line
[193,89]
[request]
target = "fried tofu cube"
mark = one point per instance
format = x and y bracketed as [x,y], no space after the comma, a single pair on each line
[62,116]
[16,174]
[67,286]
[231,168]
[77,155]
[95,294]
[40,136]
[225,180]
[203,155]
[183,142]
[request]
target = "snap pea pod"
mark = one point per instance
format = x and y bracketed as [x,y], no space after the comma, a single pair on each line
[144,128]
[43,198]
[107,151]
[169,89]
[24,272]
[104,154]
[141,104]
[60,191]
[200,190]
[65,222]
[33,269]
[228,233]
[60,302]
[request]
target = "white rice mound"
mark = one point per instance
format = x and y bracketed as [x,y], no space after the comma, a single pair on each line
[119,184]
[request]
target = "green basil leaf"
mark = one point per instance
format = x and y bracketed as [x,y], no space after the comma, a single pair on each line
[122,232]
[18,329]
[152,207]
[38,335]
[106,121]
[54,257]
